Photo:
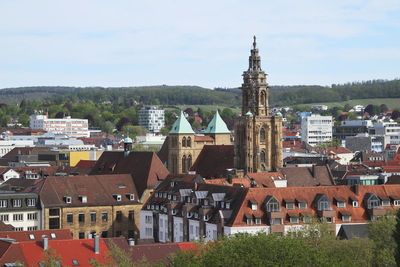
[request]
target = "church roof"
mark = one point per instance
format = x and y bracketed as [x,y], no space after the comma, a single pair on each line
[217,125]
[181,126]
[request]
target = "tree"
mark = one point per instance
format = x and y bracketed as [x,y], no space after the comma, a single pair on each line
[121,123]
[381,232]
[23,119]
[164,131]
[383,108]
[51,259]
[395,115]
[134,130]
[196,125]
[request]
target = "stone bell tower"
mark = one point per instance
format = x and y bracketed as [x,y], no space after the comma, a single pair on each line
[258,136]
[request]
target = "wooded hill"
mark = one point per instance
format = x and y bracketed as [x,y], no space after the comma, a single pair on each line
[194,95]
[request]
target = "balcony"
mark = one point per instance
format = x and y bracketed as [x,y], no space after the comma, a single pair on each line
[276,214]
[277,228]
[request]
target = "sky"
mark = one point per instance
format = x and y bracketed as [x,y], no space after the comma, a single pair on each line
[204,43]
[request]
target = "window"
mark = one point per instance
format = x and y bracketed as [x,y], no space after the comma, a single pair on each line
[355,204]
[131,234]
[32,216]
[249,221]
[307,219]
[131,215]
[118,217]
[275,221]
[53,235]
[32,228]
[3,203]
[4,217]
[290,206]
[262,135]
[396,203]
[184,142]
[228,205]
[258,221]
[104,234]
[81,235]
[341,204]
[54,223]
[54,212]
[18,217]
[329,219]
[373,203]
[31,202]
[189,142]
[324,203]
[184,164]
[148,219]
[302,205]
[386,203]
[93,217]
[253,206]
[81,217]
[17,203]
[75,263]
[31,236]
[262,156]
[346,218]
[149,232]
[19,229]
[273,205]
[104,216]
[294,220]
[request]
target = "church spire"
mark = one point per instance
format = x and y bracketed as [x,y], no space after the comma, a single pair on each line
[254,59]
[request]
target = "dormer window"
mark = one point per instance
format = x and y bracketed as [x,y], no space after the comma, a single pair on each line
[83,199]
[172,184]
[205,202]
[253,204]
[273,205]
[196,215]
[341,204]
[117,197]
[290,205]
[174,212]
[302,205]
[189,214]
[258,220]
[249,221]
[131,197]
[17,203]
[373,202]
[31,202]
[206,217]
[148,206]
[175,197]
[165,194]
[396,203]
[156,194]
[169,196]
[228,205]
[68,199]
[385,202]
[323,203]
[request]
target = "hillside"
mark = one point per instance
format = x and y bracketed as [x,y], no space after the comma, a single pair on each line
[194,95]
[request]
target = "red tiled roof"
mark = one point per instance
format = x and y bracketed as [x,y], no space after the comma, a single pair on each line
[85,164]
[60,234]
[224,181]
[266,179]
[309,194]
[307,176]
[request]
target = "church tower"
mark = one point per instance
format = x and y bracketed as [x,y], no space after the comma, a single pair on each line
[258,135]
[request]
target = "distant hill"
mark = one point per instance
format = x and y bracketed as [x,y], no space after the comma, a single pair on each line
[194,95]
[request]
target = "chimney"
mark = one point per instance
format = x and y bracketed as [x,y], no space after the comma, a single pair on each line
[355,189]
[131,242]
[97,244]
[45,242]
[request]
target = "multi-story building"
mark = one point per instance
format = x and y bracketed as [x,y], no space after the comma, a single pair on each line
[316,129]
[258,134]
[351,128]
[389,129]
[152,119]
[179,211]
[68,126]
[105,205]
[21,210]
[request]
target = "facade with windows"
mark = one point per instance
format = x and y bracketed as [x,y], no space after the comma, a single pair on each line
[316,129]
[152,119]
[68,126]
[21,210]
[179,212]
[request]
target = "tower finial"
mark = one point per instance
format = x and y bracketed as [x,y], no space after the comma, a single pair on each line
[254,43]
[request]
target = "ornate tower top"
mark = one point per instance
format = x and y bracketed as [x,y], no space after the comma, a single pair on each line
[254,59]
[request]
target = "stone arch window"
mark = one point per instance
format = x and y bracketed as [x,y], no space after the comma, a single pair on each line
[175,164]
[262,135]
[263,98]
[189,161]
[184,142]
[183,164]
[189,142]
[262,156]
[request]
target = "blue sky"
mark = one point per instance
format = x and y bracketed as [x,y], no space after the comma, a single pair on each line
[205,43]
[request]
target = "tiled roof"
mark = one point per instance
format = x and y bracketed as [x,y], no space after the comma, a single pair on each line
[98,189]
[213,160]
[6,227]
[163,152]
[85,164]
[203,138]
[245,182]
[181,126]
[56,234]
[307,176]
[145,168]
[217,126]
[24,151]
[265,179]
[335,150]
[309,194]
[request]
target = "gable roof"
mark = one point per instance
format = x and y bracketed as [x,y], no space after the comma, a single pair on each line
[98,189]
[213,160]
[85,164]
[59,234]
[181,126]
[217,125]
[145,168]
[307,176]
[265,179]
[349,231]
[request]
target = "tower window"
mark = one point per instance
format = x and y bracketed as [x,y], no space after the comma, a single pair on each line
[184,142]
[262,156]
[189,142]
[262,135]
[183,164]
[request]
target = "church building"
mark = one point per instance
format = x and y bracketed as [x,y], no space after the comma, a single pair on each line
[258,135]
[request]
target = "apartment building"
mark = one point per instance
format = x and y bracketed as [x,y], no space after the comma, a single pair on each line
[67,125]
[152,119]
[316,129]
[179,211]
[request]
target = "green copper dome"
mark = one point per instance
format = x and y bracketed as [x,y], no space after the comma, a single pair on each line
[217,125]
[128,140]
[181,126]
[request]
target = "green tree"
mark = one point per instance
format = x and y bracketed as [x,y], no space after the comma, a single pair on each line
[24,120]
[196,125]
[134,130]
[51,259]
[164,131]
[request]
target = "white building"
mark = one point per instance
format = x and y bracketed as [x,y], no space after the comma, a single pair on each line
[389,129]
[152,119]
[320,107]
[8,145]
[68,126]
[316,129]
